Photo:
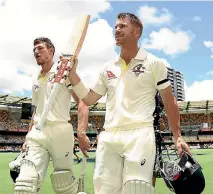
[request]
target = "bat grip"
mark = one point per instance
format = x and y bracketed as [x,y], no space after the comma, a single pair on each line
[47,106]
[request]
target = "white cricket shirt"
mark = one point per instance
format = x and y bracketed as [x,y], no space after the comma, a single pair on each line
[131,90]
[60,110]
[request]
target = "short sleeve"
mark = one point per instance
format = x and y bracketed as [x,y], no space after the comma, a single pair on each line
[35,88]
[100,84]
[160,73]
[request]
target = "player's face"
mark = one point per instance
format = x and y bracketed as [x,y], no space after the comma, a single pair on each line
[42,54]
[124,31]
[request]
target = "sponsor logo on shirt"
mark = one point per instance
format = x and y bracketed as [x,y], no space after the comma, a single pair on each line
[110,75]
[66,154]
[143,162]
[35,87]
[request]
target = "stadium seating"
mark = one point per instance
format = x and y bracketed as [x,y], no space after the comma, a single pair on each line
[6,121]
[95,121]
[191,126]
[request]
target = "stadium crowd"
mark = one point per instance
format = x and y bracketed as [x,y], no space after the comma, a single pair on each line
[11,139]
[191,124]
[10,148]
[95,122]
[6,122]
[193,119]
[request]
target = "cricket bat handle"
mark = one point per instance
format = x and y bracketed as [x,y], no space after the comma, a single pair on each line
[47,106]
[81,183]
[83,170]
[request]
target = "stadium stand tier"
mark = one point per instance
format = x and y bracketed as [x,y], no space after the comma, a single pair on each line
[196,121]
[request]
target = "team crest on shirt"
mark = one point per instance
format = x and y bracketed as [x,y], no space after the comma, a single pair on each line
[138,69]
[110,75]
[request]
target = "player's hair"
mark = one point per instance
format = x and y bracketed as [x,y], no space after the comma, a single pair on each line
[45,40]
[133,18]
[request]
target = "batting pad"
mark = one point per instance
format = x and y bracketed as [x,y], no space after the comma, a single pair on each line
[64,182]
[138,187]
[27,181]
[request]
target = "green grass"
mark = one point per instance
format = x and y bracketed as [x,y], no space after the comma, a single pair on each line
[6,184]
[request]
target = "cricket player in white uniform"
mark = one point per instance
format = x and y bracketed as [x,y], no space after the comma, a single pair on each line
[56,139]
[126,149]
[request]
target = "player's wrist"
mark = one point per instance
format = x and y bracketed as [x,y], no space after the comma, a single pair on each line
[81,135]
[177,135]
[73,77]
[81,132]
[178,139]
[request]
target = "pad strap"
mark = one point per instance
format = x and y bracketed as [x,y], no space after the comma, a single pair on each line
[138,187]
[64,182]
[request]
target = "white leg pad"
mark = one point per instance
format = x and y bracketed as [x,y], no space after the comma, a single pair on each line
[138,187]
[27,181]
[64,182]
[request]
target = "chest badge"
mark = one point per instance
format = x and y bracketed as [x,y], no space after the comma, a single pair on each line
[138,69]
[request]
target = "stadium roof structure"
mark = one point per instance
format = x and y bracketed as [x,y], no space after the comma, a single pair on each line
[194,106]
[185,106]
[16,101]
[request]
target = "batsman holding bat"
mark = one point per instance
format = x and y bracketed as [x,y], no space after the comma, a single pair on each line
[126,149]
[56,139]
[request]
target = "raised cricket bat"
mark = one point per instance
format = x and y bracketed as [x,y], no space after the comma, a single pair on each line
[81,184]
[70,52]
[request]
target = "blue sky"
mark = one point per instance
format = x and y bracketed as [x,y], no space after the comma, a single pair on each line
[179,32]
[194,63]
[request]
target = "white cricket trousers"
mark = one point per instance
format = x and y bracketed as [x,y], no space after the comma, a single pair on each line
[55,140]
[122,156]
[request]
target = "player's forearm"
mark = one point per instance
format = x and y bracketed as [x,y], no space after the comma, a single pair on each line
[173,115]
[74,78]
[83,114]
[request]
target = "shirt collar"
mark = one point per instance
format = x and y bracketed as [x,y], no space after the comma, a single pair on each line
[141,55]
[52,70]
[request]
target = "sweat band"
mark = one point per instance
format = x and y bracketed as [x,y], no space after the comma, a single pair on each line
[81,90]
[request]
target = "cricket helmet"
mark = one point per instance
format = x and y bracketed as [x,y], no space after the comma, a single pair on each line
[182,175]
